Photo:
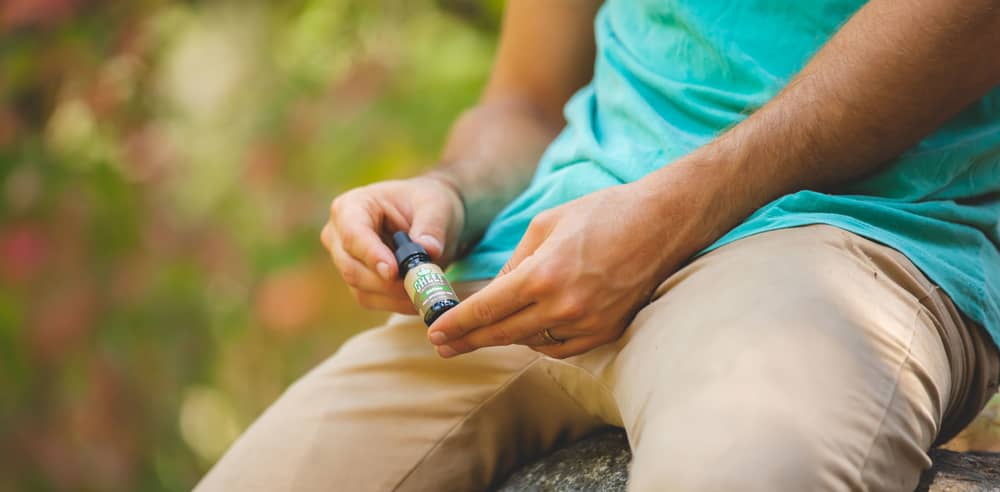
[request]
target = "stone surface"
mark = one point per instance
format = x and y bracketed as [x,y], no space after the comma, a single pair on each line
[959,472]
[599,463]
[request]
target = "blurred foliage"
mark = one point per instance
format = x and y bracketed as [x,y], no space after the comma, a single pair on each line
[165,169]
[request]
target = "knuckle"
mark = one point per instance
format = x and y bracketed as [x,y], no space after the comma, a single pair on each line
[544,280]
[538,287]
[324,235]
[570,309]
[500,336]
[337,205]
[350,202]
[351,275]
[348,239]
[547,216]
[483,311]
[541,220]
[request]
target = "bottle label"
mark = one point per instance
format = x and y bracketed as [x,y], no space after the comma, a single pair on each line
[426,285]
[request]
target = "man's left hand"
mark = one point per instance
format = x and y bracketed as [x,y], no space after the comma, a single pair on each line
[581,271]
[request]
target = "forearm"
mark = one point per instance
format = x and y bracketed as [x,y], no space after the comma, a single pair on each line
[545,54]
[491,154]
[894,73]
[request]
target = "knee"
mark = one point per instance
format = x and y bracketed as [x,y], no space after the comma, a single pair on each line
[775,458]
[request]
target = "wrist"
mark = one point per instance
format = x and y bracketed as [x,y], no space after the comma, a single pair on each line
[702,197]
[451,184]
[461,209]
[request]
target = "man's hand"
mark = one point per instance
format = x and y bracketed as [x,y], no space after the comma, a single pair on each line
[893,73]
[546,53]
[428,208]
[582,270]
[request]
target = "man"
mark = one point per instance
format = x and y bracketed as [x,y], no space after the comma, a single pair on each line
[764,243]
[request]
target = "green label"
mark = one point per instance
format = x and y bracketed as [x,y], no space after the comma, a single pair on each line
[427,285]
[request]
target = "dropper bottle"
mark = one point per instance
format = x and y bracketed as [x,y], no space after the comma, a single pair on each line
[424,281]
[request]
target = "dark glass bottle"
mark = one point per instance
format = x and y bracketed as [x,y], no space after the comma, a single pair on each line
[425,283]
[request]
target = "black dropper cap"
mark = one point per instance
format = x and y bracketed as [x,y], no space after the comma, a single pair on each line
[406,248]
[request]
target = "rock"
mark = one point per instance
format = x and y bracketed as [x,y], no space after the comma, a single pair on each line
[599,463]
[960,472]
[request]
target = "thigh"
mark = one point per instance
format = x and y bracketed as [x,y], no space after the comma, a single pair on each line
[801,359]
[386,413]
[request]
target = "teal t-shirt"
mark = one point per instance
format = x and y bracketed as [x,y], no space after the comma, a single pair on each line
[670,75]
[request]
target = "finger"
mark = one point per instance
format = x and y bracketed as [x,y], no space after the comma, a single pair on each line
[356,228]
[572,346]
[430,229]
[382,302]
[359,276]
[532,239]
[537,338]
[517,326]
[499,299]
[326,236]
[370,290]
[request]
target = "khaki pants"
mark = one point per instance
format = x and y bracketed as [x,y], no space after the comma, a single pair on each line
[802,359]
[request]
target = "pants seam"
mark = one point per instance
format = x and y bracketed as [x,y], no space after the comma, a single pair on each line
[313,438]
[569,395]
[586,371]
[464,418]
[892,398]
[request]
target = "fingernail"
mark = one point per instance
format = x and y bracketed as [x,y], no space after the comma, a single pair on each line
[432,241]
[383,270]
[437,337]
[446,351]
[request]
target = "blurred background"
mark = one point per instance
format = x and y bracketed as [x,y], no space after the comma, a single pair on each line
[165,168]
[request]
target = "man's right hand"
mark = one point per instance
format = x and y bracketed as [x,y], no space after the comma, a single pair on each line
[546,53]
[427,207]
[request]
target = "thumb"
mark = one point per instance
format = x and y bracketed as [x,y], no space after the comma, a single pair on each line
[429,229]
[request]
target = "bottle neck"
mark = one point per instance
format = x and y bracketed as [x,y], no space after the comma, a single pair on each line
[412,261]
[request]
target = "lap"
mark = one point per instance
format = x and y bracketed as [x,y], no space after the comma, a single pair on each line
[806,354]
[386,413]
[805,349]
